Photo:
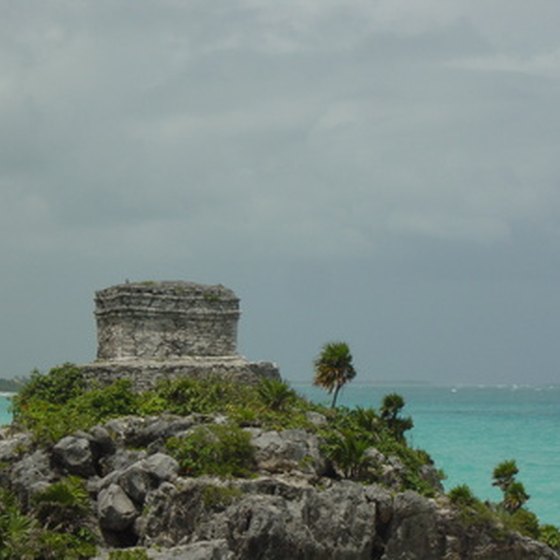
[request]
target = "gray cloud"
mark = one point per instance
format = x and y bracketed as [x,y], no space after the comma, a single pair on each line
[334,162]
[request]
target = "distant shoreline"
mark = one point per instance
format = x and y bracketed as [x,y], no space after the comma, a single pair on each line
[447,386]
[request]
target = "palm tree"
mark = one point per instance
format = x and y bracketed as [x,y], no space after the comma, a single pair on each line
[333,368]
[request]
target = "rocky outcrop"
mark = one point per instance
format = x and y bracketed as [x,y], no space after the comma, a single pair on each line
[290,509]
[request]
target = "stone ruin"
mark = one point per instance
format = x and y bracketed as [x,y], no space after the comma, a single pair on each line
[149,331]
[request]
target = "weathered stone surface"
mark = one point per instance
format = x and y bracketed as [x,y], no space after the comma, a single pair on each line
[27,474]
[285,512]
[146,374]
[115,509]
[13,444]
[162,427]
[135,481]
[414,529]
[121,459]
[166,320]
[431,475]
[74,455]
[316,418]
[154,331]
[335,523]
[288,450]
[216,549]
[101,442]
[161,467]
[202,550]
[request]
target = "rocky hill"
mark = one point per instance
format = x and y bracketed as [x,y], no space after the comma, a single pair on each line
[263,475]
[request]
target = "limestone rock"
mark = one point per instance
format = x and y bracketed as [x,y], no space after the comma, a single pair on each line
[290,511]
[13,445]
[29,473]
[115,509]
[74,455]
[201,550]
[414,529]
[161,467]
[288,450]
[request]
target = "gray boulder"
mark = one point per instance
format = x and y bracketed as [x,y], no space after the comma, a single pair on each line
[414,529]
[115,510]
[31,474]
[288,450]
[335,523]
[13,445]
[135,481]
[101,442]
[161,467]
[74,455]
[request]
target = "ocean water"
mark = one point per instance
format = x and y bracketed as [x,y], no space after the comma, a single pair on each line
[469,430]
[5,416]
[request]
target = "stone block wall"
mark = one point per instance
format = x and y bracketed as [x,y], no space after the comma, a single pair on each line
[165,320]
[154,331]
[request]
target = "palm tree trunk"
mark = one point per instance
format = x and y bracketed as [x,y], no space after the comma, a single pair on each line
[336,390]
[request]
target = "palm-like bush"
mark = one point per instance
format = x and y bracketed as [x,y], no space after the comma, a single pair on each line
[334,368]
[391,408]
[62,505]
[275,394]
[348,450]
[504,474]
[18,532]
[514,497]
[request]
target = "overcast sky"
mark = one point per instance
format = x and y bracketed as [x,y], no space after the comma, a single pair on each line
[384,172]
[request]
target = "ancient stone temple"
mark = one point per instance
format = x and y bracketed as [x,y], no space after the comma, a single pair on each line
[149,331]
[165,320]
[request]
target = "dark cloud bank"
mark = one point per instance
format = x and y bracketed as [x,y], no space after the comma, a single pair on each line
[373,171]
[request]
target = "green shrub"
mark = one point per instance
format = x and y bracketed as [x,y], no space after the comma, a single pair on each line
[525,522]
[111,401]
[366,420]
[22,537]
[462,495]
[51,420]
[217,449]
[347,450]
[18,533]
[550,535]
[275,394]
[61,384]
[62,504]
[54,545]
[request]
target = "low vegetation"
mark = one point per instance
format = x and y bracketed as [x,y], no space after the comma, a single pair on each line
[216,449]
[42,534]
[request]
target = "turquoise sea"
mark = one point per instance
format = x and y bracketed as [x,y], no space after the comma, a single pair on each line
[468,430]
[5,416]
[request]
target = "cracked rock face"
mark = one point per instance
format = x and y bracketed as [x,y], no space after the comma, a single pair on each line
[115,509]
[165,321]
[290,509]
